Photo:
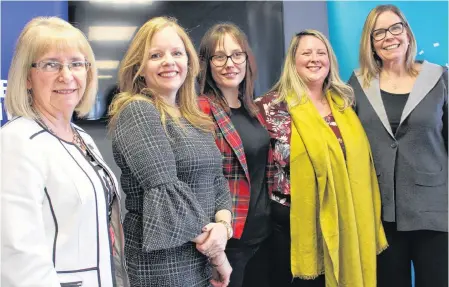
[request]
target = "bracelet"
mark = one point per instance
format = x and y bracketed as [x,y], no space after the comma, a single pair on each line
[216,265]
[228,226]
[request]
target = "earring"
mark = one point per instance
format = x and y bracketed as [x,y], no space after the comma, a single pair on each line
[30,97]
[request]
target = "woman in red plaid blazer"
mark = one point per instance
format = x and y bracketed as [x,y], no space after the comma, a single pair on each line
[226,83]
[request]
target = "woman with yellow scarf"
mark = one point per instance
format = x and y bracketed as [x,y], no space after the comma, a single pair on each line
[326,202]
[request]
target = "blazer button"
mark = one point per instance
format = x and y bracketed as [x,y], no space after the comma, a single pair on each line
[394,145]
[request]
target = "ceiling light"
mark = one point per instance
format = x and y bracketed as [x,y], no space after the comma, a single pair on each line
[107,65]
[104,77]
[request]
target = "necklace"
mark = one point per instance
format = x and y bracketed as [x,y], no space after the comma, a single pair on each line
[391,83]
[76,140]
[323,101]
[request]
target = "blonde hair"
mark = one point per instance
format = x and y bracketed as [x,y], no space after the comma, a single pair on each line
[370,63]
[132,85]
[39,36]
[290,81]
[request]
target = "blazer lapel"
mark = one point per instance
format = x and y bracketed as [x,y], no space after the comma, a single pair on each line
[230,134]
[426,80]
[373,94]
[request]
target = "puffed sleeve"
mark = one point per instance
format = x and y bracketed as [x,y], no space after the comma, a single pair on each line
[25,258]
[172,215]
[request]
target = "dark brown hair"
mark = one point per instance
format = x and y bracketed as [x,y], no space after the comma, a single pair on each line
[213,37]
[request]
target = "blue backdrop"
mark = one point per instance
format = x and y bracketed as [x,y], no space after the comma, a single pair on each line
[345,20]
[428,20]
[14,16]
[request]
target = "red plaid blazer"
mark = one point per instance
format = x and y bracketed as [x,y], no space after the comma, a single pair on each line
[235,168]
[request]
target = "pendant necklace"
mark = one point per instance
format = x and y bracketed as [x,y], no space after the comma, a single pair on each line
[77,140]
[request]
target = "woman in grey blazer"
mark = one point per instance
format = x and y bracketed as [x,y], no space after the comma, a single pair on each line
[177,198]
[402,104]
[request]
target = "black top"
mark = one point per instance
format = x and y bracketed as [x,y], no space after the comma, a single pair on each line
[394,105]
[414,164]
[256,141]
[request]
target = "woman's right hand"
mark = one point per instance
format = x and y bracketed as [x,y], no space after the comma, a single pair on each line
[200,239]
[223,269]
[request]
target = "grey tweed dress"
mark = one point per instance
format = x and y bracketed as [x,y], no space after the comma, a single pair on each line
[174,185]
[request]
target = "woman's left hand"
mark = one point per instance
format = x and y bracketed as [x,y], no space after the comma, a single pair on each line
[215,242]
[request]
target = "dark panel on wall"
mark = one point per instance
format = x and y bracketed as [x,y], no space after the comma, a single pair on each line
[262,21]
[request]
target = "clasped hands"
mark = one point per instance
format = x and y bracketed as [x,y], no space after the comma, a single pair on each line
[212,243]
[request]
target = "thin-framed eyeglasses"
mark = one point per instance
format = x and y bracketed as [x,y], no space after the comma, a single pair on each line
[56,67]
[395,29]
[221,59]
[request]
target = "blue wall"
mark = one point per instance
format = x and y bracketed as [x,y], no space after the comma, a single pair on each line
[428,20]
[14,16]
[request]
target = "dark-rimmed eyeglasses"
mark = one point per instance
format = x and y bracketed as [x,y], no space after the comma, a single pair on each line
[56,67]
[395,29]
[221,59]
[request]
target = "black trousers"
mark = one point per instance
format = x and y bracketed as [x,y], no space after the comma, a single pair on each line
[281,275]
[428,250]
[250,263]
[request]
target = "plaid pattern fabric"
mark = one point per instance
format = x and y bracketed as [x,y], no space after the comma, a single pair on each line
[235,168]
[174,185]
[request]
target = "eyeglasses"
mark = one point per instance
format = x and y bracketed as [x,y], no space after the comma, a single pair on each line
[221,60]
[395,29]
[55,67]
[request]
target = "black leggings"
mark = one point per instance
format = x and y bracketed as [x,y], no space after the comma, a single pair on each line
[428,250]
[281,275]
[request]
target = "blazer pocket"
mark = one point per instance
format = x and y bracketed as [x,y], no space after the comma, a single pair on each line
[72,284]
[430,179]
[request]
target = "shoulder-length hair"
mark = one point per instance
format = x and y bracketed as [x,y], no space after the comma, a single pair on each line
[370,62]
[39,36]
[291,82]
[132,85]
[214,38]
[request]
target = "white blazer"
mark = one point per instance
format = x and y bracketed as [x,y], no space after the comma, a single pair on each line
[54,215]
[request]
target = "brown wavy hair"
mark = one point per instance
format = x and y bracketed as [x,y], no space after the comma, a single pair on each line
[213,38]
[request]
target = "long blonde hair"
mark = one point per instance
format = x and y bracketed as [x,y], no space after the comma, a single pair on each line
[369,61]
[291,82]
[39,36]
[132,86]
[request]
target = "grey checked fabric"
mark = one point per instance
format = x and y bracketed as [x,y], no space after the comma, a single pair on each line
[174,185]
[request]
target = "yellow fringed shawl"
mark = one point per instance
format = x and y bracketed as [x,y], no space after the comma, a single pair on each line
[335,212]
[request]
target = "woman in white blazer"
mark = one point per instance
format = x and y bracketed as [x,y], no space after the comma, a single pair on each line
[60,218]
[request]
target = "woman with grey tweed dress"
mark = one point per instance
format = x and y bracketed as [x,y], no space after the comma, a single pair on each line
[176,195]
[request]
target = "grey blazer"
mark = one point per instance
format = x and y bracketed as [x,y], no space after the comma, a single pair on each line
[412,165]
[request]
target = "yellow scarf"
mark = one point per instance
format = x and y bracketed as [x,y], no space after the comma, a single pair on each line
[335,212]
